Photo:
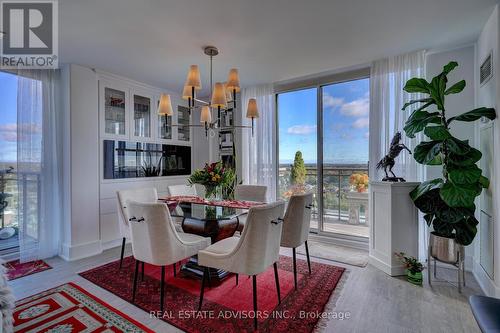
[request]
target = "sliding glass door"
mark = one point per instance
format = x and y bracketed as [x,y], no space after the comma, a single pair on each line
[298,163]
[323,147]
[345,112]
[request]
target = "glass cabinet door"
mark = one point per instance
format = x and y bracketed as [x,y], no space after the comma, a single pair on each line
[165,127]
[183,129]
[114,111]
[142,116]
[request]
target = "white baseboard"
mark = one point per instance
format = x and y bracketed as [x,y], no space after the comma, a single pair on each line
[80,251]
[487,285]
[384,267]
[111,244]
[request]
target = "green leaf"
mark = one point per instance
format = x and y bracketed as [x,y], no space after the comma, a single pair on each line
[422,100]
[475,114]
[452,215]
[417,85]
[470,158]
[427,151]
[458,196]
[425,187]
[456,88]
[449,67]
[457,146]
[464,175]
[466,230]
[436,90]
[437,132]
[419,120]
[485,182]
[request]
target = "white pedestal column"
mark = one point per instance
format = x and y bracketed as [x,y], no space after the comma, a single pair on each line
[394,225]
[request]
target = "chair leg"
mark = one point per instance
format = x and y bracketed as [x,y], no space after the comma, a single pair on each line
[175,270]
[162,288]
[277,282]
[136,274]
[237,275]
[122,252]
[308,260]
[209,278]
[295,268]
[254,277]
[142,276]
[205,272]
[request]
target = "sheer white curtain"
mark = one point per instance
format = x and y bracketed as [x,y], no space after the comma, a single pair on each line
[39,156]
[387,79]
[259,151]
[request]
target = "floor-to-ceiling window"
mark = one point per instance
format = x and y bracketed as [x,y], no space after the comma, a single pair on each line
[8,163]
[298,130]
[323,147]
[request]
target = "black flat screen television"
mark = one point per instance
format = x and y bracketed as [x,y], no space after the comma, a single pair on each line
[125,159]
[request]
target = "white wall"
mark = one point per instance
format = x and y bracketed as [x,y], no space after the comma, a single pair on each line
[81,224]
[489,95]
[455,104]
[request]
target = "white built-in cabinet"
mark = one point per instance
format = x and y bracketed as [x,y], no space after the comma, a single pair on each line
[128,112]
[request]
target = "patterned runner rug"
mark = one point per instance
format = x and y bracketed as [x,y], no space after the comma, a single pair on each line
[70,308]
[16,270]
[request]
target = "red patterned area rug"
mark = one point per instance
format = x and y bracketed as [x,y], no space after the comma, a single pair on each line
[227,307]
[69,308]
[16,270]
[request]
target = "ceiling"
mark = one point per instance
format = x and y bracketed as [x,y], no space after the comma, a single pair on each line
[155,41]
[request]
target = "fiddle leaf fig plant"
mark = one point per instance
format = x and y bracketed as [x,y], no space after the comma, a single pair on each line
[447,202]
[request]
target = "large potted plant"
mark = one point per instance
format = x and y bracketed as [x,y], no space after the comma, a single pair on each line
[446,202]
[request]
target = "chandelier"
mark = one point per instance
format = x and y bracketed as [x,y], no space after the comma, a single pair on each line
[222,95]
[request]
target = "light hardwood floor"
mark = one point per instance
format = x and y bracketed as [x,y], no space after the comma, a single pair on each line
[376,302]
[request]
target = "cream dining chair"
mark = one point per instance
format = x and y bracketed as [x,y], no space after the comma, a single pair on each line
[140,195]
[255,193]
[296,227]
[156,242]
[252,253]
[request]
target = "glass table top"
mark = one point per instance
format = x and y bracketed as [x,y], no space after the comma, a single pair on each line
[205,212]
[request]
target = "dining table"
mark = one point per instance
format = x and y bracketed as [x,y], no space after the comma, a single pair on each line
[217,219]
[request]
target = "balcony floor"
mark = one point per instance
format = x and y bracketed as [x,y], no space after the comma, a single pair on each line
[342,227]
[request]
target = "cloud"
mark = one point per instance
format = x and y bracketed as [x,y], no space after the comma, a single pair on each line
[8,132]
[357,108]
[361,123]
[366,135]
[301,129]
[331,102]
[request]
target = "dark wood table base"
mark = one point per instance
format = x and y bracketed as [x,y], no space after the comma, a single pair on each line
[216,230]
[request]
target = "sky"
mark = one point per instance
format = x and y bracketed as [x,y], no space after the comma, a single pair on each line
[8,117]
[345,123]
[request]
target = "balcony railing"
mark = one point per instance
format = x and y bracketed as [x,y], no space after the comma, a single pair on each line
[336,188]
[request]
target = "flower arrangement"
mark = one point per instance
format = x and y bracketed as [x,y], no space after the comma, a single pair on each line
[214,177]
[413,267]
[359,181]
[297,189]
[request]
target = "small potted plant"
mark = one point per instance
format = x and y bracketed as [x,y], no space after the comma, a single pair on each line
[413,267]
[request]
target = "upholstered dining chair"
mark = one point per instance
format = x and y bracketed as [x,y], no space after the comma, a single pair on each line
[140,195]
[181,189]
[156,242]
[255,193]
[252,253]
[296,227]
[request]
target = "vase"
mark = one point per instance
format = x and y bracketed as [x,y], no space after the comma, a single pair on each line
[445,249]
[213,193]
[415,278]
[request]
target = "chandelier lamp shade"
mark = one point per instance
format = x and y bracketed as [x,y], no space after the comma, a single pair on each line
[165,106]
[221,94]
[252,110]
